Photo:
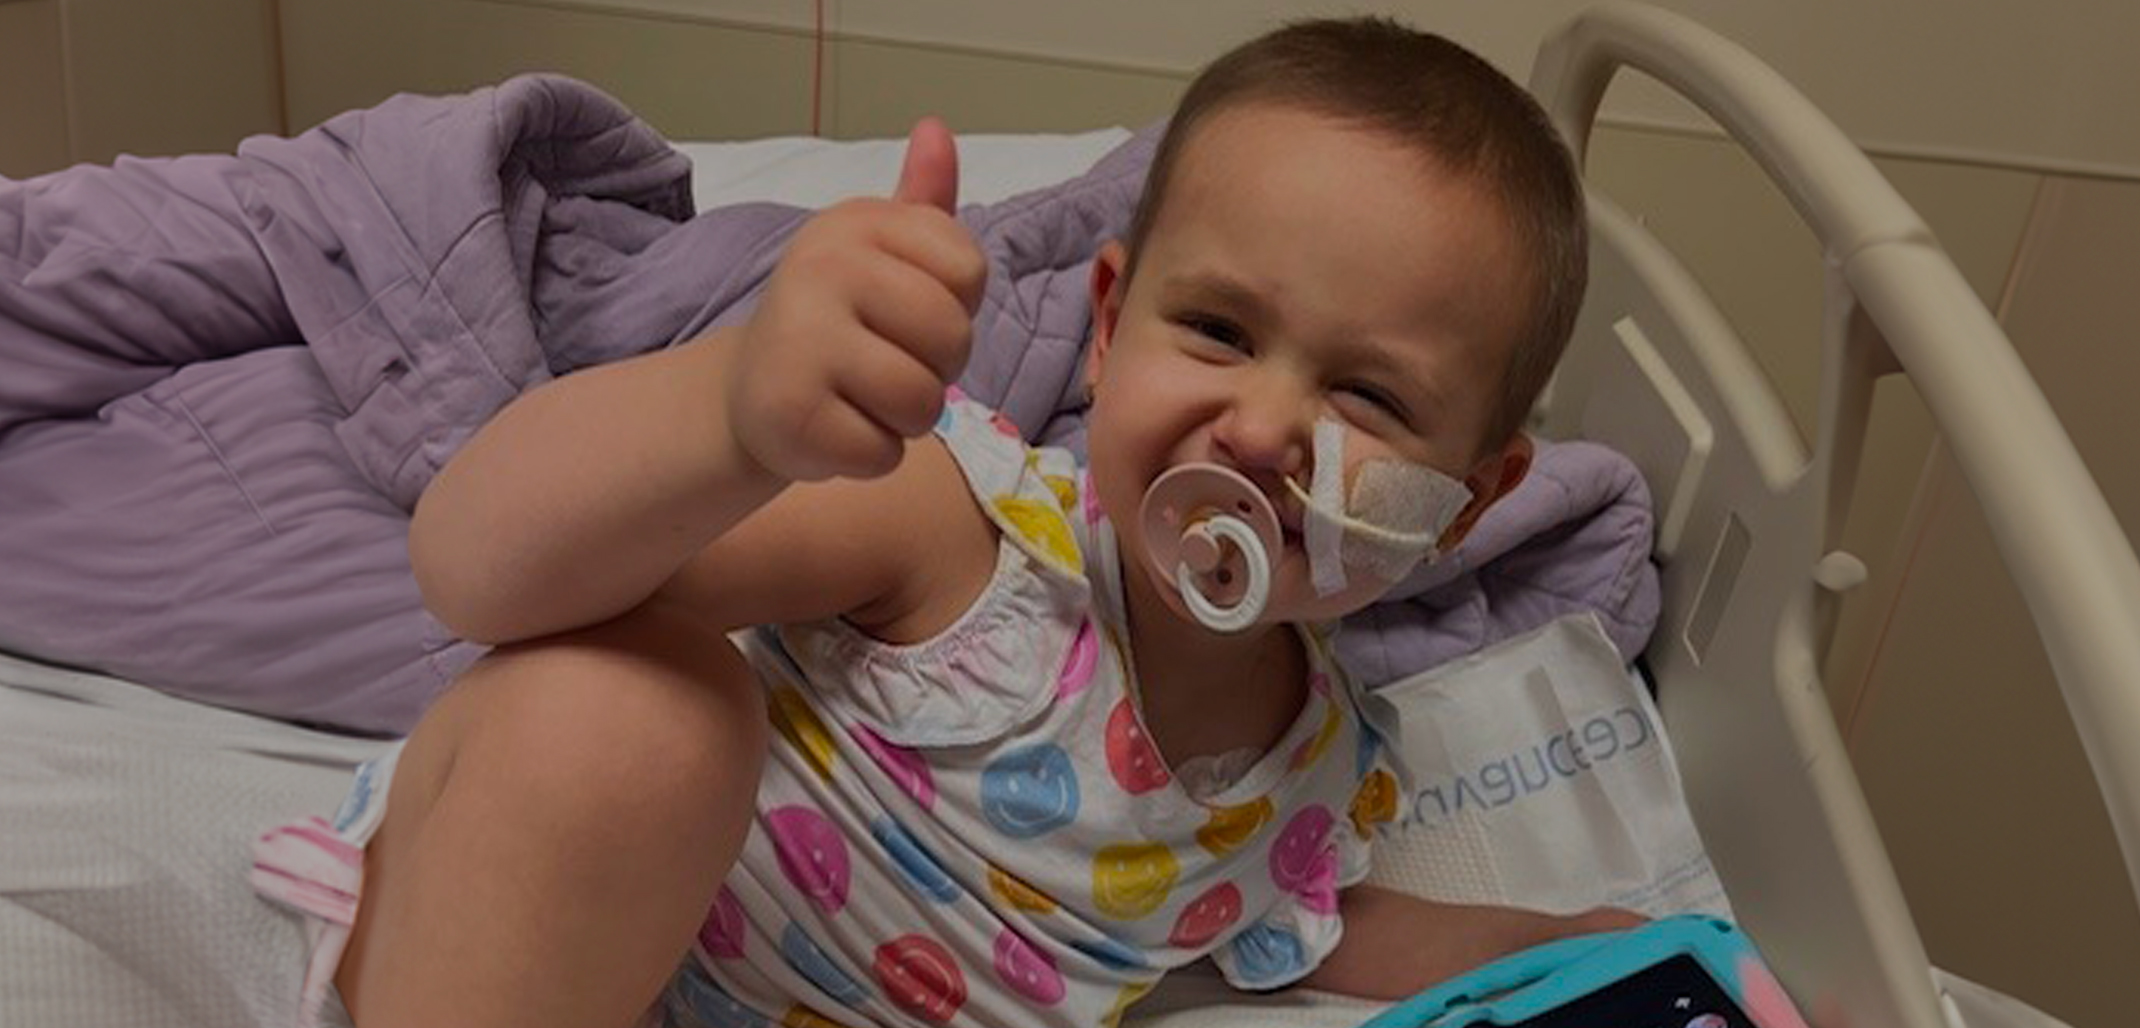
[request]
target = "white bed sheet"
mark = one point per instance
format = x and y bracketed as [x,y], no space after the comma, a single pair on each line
[807,172]
[126,819]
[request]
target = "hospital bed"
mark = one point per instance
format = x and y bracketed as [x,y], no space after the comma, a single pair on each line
[1748,521]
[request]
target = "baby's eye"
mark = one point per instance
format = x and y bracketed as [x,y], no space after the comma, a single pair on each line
[1218,330]
[1381,400]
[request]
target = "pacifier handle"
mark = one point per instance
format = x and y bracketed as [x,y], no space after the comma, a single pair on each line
[1207,528]
[1253,596]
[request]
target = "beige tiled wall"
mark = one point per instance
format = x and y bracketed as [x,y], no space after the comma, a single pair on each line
[168,76]
[2046,79]
[689,78]
[88,80]
[33,113]
[694,79]
[878,89]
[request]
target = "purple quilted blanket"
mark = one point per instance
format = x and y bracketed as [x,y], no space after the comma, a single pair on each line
[225,379]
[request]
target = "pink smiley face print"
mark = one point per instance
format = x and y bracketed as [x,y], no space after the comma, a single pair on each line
[1298,857]
[906,768]
[1206,916]
[1083,660]
[812,855]
[1026,970]
[918,975]
[1320,894]
[721,934]
[1130,754]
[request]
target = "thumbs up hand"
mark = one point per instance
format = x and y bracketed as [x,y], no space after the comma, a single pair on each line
[867,318]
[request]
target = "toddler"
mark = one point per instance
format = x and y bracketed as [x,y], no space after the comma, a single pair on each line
[818,698]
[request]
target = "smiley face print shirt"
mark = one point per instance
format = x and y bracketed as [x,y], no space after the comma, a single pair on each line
[977,830]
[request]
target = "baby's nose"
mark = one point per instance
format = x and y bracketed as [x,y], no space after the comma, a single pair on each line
[1267,431]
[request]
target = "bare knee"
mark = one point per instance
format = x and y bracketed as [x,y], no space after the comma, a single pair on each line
[651,713]
[616,766]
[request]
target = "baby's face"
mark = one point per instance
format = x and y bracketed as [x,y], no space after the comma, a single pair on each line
[1302,269]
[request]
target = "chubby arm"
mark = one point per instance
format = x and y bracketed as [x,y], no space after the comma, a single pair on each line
[1396,944]
[900,556]
[582,496]
[638,493]
[586,497]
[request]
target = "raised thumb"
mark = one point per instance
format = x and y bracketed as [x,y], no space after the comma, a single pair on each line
[930,173]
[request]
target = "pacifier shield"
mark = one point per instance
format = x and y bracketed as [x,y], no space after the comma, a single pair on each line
[1175,516]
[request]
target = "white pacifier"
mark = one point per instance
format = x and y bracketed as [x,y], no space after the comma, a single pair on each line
[1212,533]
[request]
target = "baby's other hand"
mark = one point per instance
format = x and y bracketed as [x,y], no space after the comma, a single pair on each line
[868,317]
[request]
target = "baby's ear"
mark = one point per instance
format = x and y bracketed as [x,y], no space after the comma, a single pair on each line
[1107,289]
[1495,477]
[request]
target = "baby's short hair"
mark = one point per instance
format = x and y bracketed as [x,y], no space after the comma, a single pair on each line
[1424,91]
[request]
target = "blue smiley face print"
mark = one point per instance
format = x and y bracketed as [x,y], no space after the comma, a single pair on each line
[1370,748]
[1112,954]
[1030,792]
[1268,955]
[812,963]
[705,1003]
[920,868]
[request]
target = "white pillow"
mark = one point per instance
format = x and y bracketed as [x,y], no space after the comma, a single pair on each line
[809,172]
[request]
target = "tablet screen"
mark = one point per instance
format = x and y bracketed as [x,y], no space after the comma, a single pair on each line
[1673,993]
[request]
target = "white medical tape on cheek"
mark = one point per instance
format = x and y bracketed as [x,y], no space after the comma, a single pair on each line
[1324,532]
[1397,514]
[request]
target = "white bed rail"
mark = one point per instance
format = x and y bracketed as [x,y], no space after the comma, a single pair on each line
[2064,548]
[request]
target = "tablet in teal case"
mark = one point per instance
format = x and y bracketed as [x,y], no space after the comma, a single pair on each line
[1678,972]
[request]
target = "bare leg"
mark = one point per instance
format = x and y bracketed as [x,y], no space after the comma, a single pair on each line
[556,829]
